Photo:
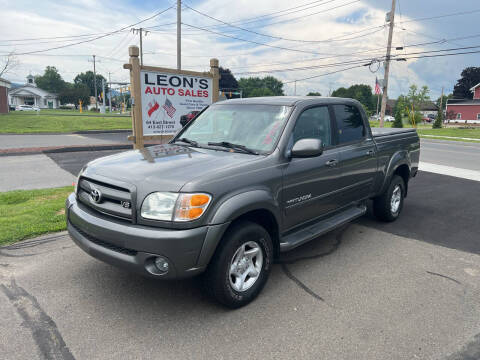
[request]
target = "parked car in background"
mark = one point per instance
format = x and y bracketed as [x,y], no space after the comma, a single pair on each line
[11,107]
[387,118]
[27,108]
[185,119]
[432,116]
[427,119]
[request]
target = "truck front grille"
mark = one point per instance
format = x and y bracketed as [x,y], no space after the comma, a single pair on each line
[106,198]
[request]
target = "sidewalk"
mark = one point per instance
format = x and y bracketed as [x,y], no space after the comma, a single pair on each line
[28,144]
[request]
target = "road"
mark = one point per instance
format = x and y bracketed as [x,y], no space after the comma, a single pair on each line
[451,153]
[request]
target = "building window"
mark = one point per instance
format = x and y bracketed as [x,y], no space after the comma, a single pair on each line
[29,101]
[459,116]
[45,102]
[478,116]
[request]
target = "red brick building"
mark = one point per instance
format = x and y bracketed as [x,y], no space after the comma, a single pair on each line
[4,86]
[465,111]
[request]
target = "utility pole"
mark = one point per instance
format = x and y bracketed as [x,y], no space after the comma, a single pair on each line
[110,93]
[179,34]
[103,94]
[95,82]
[140,32]
[387,64]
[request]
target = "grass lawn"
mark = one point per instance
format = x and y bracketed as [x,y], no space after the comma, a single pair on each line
[426,129]
[23,122]
[28,213]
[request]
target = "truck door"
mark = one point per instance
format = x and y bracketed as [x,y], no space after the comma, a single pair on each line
[358,159]
[310,185]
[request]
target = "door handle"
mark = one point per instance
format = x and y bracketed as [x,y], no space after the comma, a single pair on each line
[370,152]
[332,163]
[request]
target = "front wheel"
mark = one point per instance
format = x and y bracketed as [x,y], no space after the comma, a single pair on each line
[241,265]
[387,207]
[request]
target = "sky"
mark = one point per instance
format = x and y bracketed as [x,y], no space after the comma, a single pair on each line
[328,35]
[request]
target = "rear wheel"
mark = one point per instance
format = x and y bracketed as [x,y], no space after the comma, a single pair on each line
[388,206]
[241,265]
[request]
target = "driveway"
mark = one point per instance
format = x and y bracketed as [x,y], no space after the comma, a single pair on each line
[367,291]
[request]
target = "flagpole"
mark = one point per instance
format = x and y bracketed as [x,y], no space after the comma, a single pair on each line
[378,100]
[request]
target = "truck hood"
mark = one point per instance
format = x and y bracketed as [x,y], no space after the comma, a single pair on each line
[164,167]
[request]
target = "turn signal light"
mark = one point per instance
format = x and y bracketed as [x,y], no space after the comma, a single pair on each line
[191,206]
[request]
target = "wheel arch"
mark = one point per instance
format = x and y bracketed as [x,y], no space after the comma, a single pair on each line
[257,206]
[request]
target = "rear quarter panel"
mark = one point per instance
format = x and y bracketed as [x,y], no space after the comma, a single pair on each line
[394,148]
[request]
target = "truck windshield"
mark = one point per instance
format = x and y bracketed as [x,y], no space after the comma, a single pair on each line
[256,127]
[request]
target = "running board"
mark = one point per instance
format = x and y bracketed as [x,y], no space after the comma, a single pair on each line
[322,227]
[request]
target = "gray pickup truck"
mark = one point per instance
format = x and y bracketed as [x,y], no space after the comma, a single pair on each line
[246,180]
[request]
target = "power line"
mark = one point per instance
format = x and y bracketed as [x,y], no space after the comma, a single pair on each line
[325,74]
[266,35]
[259,43]
[98,37]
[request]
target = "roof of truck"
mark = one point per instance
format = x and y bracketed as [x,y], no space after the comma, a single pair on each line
[286,100]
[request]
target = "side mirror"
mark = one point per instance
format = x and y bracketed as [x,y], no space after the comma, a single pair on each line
[307,148]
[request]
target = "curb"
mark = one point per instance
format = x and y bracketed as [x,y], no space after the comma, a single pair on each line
[63,149]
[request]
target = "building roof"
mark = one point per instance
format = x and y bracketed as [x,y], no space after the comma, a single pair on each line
[5,80]
[473,88]
[28,89]
[463,102]
[428,106]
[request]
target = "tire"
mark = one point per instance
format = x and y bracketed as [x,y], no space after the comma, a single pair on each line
[225,285]
[384,207]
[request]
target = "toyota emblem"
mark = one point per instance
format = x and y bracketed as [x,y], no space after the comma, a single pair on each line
[95,195]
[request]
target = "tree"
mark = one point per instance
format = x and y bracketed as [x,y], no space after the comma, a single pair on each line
[360,92]
[314,94]
[72,94]
[227,80]
[51,80]
[398,123]
[470,77]
[417,97]
[255,86]
[86,78]
[10,61]
[437,124]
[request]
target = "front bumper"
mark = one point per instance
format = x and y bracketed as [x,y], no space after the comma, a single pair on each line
[135,247]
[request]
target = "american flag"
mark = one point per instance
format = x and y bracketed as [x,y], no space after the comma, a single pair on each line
[168,107]
[377,87]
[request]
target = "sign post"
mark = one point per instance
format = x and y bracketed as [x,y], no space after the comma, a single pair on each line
[161,96]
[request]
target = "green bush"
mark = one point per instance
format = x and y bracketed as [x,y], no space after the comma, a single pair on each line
[398,123]
[437,124]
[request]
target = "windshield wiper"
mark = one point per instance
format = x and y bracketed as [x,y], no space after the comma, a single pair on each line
[188,141]
[230,145]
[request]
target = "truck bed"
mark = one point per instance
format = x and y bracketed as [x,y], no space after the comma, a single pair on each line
[380,132]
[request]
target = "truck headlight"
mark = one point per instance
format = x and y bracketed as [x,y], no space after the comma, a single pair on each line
[174,207]
[159,206]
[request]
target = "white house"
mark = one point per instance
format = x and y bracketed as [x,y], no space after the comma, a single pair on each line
[30,94]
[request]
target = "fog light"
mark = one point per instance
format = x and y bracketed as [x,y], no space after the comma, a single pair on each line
[161,264]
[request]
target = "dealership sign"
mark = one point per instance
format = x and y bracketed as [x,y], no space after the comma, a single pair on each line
[167,97]
[161,96]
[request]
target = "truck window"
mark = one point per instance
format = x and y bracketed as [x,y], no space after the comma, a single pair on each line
[255,126]
[314,123]
[349,122]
